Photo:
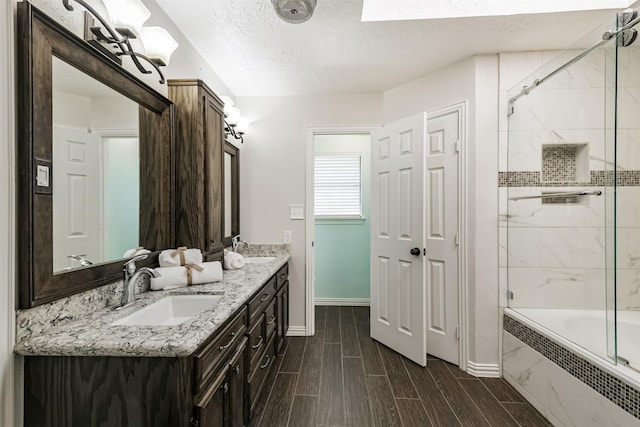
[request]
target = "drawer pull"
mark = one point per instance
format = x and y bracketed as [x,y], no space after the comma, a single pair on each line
[237,369]
[267,362]
[233,338]
[283,276]
[264,297]
[272,321]
[226,387]
[259,343]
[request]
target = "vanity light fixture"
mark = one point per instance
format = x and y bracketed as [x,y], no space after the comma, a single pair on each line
[234,124]
[126,18]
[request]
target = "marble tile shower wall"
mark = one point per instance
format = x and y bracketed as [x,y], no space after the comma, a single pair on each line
[557,252]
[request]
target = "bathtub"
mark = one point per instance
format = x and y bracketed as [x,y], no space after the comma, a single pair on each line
[585,333]
[557,359]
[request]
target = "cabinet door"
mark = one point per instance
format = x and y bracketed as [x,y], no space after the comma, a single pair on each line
[211,409]
[283,315]
[237,380]
[213,165]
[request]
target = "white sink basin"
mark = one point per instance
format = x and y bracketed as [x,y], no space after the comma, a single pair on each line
[259,259]
[171,310]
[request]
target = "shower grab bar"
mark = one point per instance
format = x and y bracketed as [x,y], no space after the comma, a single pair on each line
[564,194]
[608,35]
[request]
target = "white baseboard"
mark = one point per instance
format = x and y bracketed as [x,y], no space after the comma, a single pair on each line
[483,370]
[297,331]
[343,301]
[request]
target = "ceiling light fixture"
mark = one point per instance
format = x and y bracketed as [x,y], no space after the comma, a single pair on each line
[294,11]
[234,124]
[126,19]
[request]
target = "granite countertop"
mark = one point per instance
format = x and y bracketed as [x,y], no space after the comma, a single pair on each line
[92,334]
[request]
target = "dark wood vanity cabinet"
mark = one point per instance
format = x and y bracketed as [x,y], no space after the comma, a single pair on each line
[282,306]
[222,402]
[220,376]
[220,384]
[199,140]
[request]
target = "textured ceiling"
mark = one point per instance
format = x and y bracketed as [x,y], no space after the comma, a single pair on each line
[257,54]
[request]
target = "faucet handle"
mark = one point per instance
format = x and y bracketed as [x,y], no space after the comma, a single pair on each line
[130,266]
[236,239]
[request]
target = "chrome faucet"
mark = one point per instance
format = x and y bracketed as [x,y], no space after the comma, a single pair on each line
[81,259]
[131,277]
[236,242]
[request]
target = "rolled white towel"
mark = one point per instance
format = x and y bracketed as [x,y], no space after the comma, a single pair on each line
[233,260]
[189,274]
[137,251]
[180,256]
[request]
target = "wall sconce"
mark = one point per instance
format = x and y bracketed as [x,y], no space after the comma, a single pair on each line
[234,124]
[127,18]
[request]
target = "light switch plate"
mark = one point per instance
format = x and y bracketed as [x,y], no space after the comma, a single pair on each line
[287,237]
[296,212]
[42,176]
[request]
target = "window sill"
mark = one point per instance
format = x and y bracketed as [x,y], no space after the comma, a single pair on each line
[335,220]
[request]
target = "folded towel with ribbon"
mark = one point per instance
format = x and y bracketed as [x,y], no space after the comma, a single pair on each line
[186,275]
[137,251]
[233,260]
[180,256]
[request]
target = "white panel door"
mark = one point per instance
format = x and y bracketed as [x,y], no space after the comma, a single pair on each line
[398,308]
[76,197]
[441,233]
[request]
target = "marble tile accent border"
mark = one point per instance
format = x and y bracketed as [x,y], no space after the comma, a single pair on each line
[617,391]
[629,178]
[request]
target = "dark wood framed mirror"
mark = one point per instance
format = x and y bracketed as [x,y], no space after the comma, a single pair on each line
[231,192]
[40,40]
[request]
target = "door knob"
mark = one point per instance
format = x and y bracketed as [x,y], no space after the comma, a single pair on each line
[415,251]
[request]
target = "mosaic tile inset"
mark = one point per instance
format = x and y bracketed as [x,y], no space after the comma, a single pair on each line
[618,392]
[597,179]
[559,163]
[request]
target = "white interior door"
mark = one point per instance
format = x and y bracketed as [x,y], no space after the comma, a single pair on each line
[76,197]
[398,306]
[442,236]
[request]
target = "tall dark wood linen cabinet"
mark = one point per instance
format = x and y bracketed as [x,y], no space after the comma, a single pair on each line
[199,139]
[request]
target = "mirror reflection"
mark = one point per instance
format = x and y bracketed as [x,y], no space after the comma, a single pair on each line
[95,172]
[227,194]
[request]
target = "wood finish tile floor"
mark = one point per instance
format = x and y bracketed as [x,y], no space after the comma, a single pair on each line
[341,377]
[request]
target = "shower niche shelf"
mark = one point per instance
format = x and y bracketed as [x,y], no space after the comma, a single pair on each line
[566,163]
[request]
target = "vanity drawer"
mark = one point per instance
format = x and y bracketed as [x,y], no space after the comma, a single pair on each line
[262,298]
[259,376]
[208,357]
[270,318]
[282,275]
[257,340]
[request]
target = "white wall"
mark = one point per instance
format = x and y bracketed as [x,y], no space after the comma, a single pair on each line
[476,81]
[273,169]
[7,244]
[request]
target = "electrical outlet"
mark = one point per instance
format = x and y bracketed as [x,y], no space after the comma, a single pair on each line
[287,236]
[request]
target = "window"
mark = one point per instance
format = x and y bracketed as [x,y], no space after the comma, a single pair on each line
[338,185]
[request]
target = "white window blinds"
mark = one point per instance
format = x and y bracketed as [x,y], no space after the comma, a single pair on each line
[338,188]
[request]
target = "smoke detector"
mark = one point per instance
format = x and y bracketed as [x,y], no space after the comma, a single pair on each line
[294,11]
